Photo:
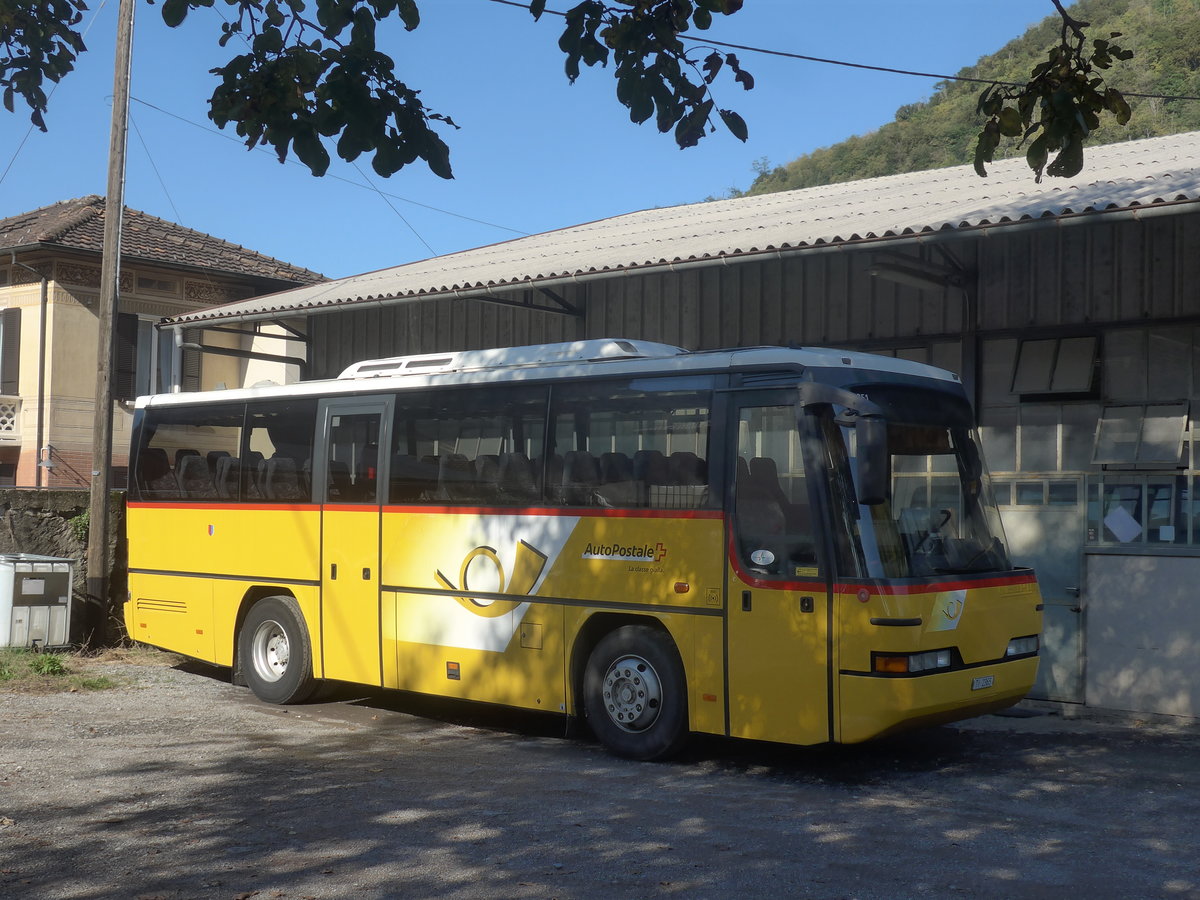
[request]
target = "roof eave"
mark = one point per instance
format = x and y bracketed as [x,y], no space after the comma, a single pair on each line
[929,235]
[50,247]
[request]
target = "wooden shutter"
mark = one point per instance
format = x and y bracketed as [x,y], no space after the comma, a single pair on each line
[10,352]
[125,350]
[190,376]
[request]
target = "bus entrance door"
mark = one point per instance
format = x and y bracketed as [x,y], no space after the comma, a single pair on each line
[347,474]
[778,601]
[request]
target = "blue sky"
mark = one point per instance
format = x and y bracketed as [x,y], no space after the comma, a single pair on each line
[533,154]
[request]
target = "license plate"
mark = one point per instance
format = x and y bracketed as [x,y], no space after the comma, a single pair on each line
[985,681]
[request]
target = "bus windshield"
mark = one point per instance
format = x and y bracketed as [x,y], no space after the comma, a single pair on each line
[940,516]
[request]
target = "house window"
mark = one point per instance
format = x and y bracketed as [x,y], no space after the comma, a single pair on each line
[157,285]
[145,358]
[1141,434]
[1055,366]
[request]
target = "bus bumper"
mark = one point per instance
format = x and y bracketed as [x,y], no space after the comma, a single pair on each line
[872,706]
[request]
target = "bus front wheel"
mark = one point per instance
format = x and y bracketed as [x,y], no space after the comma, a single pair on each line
[635,695]
[275,652]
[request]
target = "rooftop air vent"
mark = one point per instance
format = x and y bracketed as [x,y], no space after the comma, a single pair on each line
[511,357]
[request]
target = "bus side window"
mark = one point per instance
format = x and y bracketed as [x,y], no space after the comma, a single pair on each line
[155,478]
[468,446]
[276,451]
[640,443]
[178,450]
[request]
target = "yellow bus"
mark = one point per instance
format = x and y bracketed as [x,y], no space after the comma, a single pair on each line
[791,545]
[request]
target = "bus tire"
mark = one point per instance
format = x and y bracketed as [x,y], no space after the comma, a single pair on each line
[275,652]
[635,693]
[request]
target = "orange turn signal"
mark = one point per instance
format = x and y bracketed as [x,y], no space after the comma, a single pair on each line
[893,665]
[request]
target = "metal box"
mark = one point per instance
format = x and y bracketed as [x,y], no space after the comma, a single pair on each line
[35,600]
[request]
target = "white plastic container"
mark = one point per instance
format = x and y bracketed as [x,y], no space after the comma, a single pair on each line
[35,600]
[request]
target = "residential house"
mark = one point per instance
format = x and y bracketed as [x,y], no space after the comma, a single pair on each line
[49,297]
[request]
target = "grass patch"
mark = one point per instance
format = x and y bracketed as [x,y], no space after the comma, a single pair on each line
[25,672]
[47,664]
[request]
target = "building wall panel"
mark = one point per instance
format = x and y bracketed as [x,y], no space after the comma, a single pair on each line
[1161,275]
[1131,266]
[1100,300]
[1045,300]
[1075,275]
[1047,277]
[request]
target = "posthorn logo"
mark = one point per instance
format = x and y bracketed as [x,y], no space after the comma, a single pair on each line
[626,553]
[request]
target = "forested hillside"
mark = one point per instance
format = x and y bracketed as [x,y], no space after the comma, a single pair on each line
[1164,35]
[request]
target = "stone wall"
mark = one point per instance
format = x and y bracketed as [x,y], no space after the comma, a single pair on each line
[54,523]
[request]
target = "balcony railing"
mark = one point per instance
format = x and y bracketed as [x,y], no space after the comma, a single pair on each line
[10,420]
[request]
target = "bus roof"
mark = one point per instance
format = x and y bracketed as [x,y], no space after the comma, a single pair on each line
[576,359]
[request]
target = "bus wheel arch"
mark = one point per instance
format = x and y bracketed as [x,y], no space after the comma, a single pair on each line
[274,654]
[633,689]
[252,596]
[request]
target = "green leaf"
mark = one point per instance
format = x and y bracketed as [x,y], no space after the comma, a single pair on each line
[1010,122]
[537,7]
[174,12]
[1036,156]
[311,152]
[983,99]
[437,156]
[1116,104]
[1069,161]
[690,129]
[985,147]
[735,124]
[641,104]
[409,14]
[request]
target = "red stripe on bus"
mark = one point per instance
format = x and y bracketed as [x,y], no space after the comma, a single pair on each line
[574,512]
[874,588]
[934,585]
[183,504]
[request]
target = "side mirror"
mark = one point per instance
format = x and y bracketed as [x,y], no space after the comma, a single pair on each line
[871,437]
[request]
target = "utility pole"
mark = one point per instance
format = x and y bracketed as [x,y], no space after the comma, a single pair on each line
[110,277]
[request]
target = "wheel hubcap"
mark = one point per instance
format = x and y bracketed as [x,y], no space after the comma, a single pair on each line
[271,651]
[632,693]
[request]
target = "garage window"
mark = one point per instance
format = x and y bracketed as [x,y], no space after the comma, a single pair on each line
[1055,366]
[1148,435]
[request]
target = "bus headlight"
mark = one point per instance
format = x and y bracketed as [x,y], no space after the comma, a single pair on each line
[1022,646]
[912,663]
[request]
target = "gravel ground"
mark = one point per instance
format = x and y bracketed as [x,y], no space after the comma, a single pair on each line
[177,785]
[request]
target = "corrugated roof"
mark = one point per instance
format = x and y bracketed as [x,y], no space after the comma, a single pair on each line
[1117,176]
[78,224]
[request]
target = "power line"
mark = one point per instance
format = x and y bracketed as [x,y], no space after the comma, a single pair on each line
[49,97]
[154,166]
[356,184]
[384,198]
[853,65]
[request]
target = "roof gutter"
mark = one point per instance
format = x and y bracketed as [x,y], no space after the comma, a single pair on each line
[947,233]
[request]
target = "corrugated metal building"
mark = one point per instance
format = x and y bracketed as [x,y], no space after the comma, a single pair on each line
[1072,310]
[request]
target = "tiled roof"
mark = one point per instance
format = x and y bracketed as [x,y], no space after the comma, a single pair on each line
[79,225]
[1125,176]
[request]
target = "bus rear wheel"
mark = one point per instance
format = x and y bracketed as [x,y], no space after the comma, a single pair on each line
[275,652]
[635,694]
